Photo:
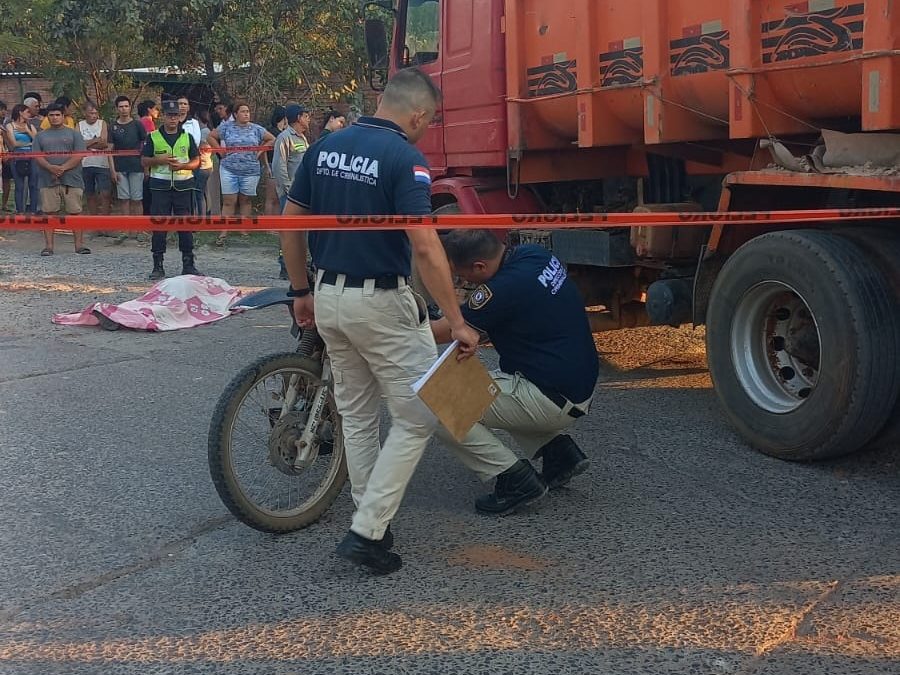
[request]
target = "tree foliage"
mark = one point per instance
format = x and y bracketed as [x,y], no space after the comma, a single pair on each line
[82,47]
[259,51]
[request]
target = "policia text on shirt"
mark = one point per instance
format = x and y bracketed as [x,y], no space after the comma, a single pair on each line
[378,339]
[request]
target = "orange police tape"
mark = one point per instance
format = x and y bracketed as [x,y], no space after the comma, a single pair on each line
[472,221]
[127,153]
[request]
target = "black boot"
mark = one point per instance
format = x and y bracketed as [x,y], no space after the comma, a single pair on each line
[519,485]
[370,553]
[387,541]
[158,271]
[187,264]
[563,460]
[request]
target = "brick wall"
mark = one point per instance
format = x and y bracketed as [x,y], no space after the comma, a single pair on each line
[11,88]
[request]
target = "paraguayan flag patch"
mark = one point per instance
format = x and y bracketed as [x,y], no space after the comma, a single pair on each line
[422,174]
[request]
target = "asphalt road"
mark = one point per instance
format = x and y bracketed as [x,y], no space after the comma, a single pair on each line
[681,551]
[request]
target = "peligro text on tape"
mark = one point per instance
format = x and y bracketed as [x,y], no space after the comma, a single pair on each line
[472,221]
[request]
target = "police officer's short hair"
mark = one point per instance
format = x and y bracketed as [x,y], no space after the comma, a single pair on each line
[466,247]
[411,89]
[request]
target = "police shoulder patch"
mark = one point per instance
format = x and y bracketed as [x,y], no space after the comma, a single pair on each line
[480,297]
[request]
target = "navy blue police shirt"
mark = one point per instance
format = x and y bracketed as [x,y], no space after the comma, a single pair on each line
[369,168]
[535,317]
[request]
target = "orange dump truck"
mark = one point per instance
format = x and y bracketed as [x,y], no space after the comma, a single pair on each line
[575,106]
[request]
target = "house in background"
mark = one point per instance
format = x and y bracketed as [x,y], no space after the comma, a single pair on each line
[14,82]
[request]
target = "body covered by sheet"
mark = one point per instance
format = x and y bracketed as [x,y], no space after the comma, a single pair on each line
[179,302]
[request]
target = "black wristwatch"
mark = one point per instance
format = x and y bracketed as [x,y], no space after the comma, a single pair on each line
[298,293]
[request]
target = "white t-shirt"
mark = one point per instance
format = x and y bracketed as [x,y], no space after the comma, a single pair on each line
[192,126]
[89,132]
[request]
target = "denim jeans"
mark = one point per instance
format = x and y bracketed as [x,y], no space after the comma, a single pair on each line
[26,182]
[201,178]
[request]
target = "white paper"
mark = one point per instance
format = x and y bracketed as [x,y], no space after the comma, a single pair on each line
[437,364]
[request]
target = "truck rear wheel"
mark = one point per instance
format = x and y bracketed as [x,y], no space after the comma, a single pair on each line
[883,248]
[803,343]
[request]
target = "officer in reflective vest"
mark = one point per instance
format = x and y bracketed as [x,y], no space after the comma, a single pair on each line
[171,155]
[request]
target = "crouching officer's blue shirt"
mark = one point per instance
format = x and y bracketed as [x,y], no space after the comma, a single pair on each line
[369,168]
[535,317]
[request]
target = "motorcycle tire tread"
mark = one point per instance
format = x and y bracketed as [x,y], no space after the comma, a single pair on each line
[217,449]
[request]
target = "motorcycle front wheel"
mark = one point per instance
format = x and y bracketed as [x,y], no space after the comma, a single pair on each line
[252,449]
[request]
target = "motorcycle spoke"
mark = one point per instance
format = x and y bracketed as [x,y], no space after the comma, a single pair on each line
[275,488]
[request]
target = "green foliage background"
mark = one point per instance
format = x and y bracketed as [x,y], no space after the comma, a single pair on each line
[253,49]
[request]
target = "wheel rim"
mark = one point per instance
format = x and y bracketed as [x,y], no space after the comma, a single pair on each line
[264,481]
[776,347]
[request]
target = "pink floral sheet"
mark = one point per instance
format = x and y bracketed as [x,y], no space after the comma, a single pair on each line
[171,304]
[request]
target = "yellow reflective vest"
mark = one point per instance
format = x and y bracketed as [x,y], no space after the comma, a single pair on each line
[181,150]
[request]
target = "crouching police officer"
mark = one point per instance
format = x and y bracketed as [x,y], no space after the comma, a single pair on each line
[171,155]
[536,320]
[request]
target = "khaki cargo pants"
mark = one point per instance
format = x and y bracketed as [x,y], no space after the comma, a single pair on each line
[377,347]
[521,409]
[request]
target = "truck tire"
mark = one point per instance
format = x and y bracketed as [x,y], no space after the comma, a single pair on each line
[883,247]
[415,280]
[803,345]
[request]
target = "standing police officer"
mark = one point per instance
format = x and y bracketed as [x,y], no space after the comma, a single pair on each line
[171,155]
[376,329]
[536,320]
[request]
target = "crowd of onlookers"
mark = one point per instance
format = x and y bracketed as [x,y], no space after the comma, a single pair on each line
[218,182]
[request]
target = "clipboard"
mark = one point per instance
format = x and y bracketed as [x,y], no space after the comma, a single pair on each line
[457,392]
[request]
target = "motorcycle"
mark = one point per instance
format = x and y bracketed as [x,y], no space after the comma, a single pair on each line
[275,449]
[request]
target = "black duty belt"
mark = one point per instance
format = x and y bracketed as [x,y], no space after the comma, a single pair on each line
[386,283]
[562,402]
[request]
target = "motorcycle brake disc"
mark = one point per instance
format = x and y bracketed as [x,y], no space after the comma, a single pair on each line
[283,442]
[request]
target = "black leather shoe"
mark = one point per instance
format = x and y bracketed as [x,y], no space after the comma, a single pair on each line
[516,487]
[563,460]
[371,554]
[387,541]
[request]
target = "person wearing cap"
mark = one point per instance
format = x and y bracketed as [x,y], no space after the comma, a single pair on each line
[171,155]
[290,146]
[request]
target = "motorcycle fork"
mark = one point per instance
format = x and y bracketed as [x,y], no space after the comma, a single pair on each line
[308,444]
